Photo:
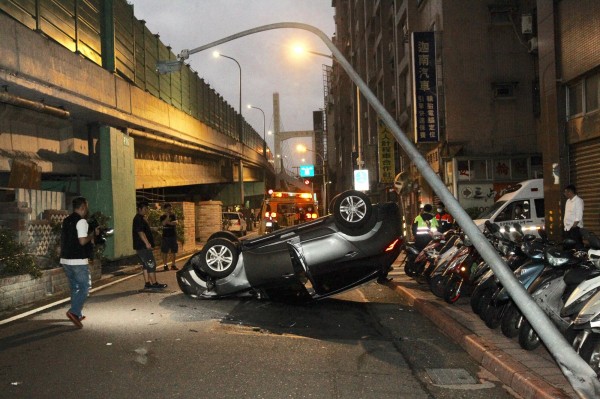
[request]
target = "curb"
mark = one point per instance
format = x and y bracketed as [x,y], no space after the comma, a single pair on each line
[511,372]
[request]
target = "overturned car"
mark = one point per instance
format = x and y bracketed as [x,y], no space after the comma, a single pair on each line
[357,243]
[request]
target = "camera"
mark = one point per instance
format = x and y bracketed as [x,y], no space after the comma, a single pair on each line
[100,238]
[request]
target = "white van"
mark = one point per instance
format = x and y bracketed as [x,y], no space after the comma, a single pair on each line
[522,203]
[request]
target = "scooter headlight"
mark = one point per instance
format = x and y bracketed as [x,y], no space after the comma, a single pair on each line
[570,309]
[556,259]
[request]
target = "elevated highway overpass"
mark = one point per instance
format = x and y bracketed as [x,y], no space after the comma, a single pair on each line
[76,118]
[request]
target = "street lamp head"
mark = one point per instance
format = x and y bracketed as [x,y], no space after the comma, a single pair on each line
[249,106]
[301,148]
[216,54]
[269,132]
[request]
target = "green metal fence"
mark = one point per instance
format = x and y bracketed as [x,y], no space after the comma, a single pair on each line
[107,33]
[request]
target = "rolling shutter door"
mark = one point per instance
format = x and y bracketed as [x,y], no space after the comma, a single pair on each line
[585,175]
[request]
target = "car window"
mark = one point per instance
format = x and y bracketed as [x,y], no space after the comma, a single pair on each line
[539,207]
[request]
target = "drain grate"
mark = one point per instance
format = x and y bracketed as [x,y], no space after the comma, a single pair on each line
[450,376]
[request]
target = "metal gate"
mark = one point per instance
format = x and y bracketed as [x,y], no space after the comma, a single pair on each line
[585,175]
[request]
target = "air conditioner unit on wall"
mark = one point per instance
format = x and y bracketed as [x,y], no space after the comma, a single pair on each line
[532,45]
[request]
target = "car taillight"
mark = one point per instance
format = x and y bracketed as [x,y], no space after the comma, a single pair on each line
[308,216]
[392,245]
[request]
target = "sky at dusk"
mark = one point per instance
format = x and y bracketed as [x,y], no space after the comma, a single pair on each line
[267,59]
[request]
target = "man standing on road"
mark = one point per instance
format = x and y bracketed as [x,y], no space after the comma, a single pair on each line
[573,219]
[169,236]
[75,250]
[143,242]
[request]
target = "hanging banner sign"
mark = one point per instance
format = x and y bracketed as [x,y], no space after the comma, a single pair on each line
[425,88]
[386,141]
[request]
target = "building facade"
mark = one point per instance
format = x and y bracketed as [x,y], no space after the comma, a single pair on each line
[514,96]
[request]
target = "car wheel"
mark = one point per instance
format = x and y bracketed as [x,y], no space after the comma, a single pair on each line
[352,209]
[219,258]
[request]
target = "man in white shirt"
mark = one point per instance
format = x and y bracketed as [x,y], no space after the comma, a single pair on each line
[573,216]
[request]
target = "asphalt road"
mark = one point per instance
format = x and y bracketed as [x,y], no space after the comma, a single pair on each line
[363,344]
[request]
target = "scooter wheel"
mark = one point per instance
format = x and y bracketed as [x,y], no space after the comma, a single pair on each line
[476,298]
[437,284]
[590,352]
[409,267]
[452,289]
[511,321]
[493,315]
[528,338]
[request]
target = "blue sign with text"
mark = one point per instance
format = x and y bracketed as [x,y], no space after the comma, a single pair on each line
[307,170]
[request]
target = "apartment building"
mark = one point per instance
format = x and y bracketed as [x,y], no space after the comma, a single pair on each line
[476,121]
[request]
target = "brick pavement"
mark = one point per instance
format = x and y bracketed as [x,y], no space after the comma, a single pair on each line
[531,374]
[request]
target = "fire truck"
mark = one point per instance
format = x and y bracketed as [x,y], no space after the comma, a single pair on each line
[283,209]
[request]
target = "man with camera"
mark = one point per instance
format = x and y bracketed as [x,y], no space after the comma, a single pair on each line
[76,247]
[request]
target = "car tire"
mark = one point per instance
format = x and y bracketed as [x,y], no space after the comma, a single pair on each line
[352,210]
[219,257]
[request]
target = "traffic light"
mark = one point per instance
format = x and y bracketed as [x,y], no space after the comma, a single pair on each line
[307,182]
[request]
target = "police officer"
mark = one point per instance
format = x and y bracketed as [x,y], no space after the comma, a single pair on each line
[424,226]
[444,219]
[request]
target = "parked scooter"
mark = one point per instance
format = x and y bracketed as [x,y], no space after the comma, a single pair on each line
[496,306]
[561,298]
[517,250]
[547,291]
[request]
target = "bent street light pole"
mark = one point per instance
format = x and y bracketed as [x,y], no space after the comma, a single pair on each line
[580,375]
[264,127]
[240,125]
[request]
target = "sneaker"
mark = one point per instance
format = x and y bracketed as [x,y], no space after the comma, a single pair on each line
[75,319]
[165,267]
[173,267]
[147,286]
[158,286]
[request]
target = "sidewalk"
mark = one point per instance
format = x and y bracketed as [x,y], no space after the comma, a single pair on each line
[531,374]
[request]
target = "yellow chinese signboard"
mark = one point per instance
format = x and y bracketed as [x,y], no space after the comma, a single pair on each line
[386,142]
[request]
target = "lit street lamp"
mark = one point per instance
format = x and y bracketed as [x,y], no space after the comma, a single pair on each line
[216,54]
[264,126]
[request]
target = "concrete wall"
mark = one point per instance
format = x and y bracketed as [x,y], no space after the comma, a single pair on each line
[22,290]
[208,219]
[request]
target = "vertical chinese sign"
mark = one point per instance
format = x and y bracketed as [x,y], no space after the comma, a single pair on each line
[386,153]
[425,89]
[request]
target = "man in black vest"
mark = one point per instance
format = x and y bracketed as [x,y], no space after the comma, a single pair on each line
[75,250]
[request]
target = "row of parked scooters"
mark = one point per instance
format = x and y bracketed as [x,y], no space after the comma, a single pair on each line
[563,281]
